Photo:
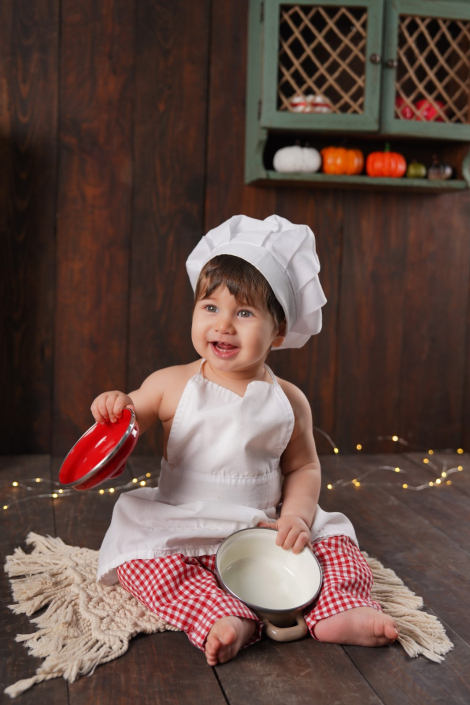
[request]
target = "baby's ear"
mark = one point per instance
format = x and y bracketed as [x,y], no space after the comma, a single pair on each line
[280,337]
[278,341]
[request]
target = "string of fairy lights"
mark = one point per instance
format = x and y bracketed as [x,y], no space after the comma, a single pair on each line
[443,472]
[442,478]
[31,484]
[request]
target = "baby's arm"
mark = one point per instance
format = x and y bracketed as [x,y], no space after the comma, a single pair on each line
[302,477]
[145,401]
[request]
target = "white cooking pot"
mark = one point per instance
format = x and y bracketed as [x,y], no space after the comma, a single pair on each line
[273,582]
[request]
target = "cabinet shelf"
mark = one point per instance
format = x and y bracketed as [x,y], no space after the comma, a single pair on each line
[456,154]
[361,181]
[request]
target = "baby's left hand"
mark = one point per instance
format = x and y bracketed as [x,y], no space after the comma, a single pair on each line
[293,532]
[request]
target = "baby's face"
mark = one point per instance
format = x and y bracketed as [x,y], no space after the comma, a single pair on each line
[231,336]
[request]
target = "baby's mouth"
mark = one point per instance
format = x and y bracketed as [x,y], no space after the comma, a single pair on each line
[223,346]
[223,349]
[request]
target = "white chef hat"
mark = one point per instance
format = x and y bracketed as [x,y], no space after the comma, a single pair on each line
[285,255]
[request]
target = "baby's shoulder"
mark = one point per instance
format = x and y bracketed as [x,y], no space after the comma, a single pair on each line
[298,400]
[169,378]
[170,382]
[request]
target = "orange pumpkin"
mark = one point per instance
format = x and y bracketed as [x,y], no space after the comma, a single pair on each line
[386,164]
[338,160]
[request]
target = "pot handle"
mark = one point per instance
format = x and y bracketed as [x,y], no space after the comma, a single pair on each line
[286,633]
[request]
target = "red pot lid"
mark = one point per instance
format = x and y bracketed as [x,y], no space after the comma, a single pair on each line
[101,453]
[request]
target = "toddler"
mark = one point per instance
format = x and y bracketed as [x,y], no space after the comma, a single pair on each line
[238,451]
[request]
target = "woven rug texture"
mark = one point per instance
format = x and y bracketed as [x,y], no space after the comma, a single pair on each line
[87,624]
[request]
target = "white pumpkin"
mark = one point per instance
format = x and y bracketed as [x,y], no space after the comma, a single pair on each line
[289,159]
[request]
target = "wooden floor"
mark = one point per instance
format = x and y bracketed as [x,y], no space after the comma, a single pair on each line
[423,536]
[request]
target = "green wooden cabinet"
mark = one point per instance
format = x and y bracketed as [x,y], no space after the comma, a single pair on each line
[430,41]
[359,71]
[304,50]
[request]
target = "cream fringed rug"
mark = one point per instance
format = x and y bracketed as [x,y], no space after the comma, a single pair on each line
[86,624]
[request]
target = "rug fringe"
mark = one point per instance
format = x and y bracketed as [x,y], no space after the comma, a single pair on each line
[420,633]
[85,624]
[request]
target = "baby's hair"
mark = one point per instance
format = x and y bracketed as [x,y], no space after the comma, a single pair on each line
[243,281]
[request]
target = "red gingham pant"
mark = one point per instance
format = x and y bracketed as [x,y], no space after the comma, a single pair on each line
[184,591]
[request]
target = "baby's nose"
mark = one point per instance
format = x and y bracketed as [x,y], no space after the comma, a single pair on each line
[225,325]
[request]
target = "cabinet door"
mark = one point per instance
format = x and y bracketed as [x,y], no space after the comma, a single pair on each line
[321,64]
[426,70]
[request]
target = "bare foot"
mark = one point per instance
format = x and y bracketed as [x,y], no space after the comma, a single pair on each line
[361,626]
[226,638]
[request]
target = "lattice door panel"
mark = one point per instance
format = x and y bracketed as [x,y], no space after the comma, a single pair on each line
[433,72]
[321,59]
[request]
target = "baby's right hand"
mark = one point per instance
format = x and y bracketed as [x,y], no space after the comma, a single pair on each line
[109,405]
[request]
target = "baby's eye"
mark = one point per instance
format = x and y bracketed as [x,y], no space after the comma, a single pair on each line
[211,308]
[245,314]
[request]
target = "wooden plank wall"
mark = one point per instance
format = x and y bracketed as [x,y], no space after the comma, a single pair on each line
[121,143]
[29,34]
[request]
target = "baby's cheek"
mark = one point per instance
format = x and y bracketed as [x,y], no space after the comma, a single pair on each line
[195,336]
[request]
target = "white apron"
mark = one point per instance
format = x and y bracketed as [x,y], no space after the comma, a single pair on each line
[222,474]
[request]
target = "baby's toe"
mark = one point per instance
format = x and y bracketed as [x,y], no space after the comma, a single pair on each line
[212,645]
[211,652]
[385,630]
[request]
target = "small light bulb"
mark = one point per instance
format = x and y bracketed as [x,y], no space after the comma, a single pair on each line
[448,482]
[55,495]
[358,484]
[397,469]
[460,451]
[430,452]
[460,468]
[336,450]
[61,491]
[394,438]
[330,487]
[134,480]
[148,474]
[101,491]
[38,479]
[443,473]
[431,484]
[438,481]
[5,506]
[359,447]
[142,483]
[425,460]
[15,484]
[405,486]
[111,489]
